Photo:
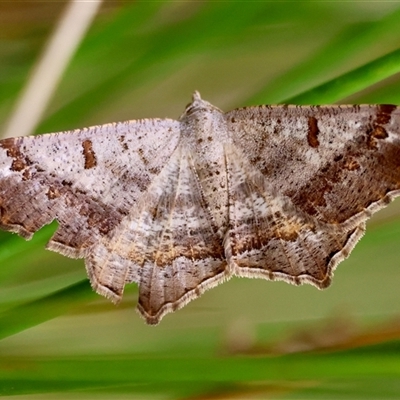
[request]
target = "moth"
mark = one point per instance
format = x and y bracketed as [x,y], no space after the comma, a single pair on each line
[179,206]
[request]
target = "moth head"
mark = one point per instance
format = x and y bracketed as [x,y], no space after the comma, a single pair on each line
[198,105]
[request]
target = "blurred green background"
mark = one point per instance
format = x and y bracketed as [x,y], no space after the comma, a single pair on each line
[245,338]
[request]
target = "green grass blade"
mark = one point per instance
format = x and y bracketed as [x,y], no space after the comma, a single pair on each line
[344,49]
[351,82]
[38,311]
[141,374]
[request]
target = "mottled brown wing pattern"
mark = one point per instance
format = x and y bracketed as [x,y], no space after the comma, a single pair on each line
[179,206]
[87,180]
[311,176]
[270,237]
[168,245]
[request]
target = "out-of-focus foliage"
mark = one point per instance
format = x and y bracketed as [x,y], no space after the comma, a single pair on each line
[244,339]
